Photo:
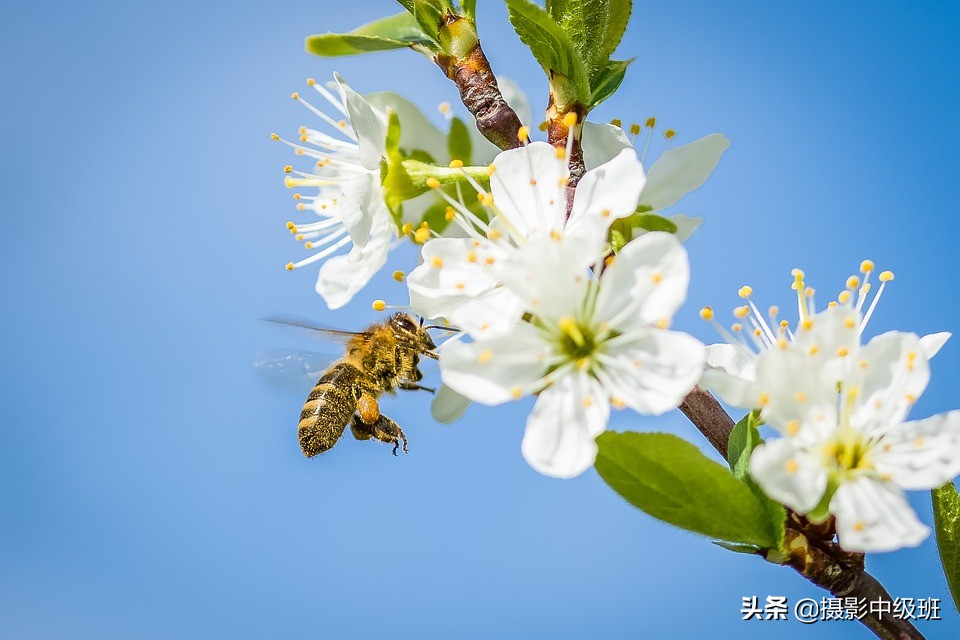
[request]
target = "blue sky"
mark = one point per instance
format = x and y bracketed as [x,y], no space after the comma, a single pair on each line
[153,487]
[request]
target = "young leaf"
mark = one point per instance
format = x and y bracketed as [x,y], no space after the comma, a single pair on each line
[595,27]
[407,4]
[459,143]
[671,480]
[946,518]
[743,439]
[469,9]
[393,32]
[652,222]
[429,15]
[605,81]
[553,49]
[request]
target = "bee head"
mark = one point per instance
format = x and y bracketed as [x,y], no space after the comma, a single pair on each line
[409,330]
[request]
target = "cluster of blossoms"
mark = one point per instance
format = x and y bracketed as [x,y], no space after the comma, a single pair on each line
[571,302]
[841,407]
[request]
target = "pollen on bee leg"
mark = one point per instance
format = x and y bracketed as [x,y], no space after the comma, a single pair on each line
[523,134]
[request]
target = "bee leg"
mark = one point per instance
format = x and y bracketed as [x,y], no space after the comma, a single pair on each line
[384,430]
[368,409]
[407,385]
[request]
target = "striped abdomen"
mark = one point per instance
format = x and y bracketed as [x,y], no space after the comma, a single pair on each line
[328,409]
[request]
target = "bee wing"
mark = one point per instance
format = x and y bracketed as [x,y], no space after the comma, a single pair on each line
[289,369]
[326,333]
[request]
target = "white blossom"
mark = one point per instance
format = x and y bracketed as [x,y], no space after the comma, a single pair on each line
[591,342]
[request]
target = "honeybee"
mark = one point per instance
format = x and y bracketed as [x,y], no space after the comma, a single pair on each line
[380,359]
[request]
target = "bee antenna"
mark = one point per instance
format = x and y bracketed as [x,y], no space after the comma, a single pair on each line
[437,326]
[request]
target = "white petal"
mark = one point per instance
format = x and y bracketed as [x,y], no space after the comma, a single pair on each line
[921,454]
[932,343]
[653,372]
[731,373]
[448,406]
[369,125]
[341,277]
[894,374]
[646,283]
[361,203]
[416,130]
[606,193]
[490,314]
[686,225]
[551,276]
[874,516]
[560,439]
[453,270]
[496,370]
[796,392]
[679,171]
[602,143]
[527,190]
[788,474]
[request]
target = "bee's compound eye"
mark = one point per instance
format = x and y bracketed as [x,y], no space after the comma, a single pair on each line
[406,323]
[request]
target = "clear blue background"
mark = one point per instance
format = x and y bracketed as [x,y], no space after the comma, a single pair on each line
[152,488]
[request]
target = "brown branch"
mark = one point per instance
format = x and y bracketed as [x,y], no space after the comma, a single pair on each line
[706,414]
[480,94]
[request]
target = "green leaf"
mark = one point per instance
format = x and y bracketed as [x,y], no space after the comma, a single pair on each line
[743,439]
[946,518]
[670,479]
[553,49]
[739,548]
[407,4]
[652,222]
[458,142]
[469,9]
[607,80]
[595,27]
[429,15]
[393,32]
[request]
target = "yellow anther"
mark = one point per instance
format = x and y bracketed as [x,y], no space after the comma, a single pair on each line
[663,323]
[433,183]
[800,396]
[543,126]
[379,305]
[289,266]
[491,169]
[910,398]
[813,350]
[745,292]
[489,260]
[570,119]
[561,153]
[587,403]
[295,95]
[844,297]
[849,322]
[808,292]
[456,164]
[736,327]
[806,324]
[886,276]
[290,225]
[407,228]
[449,214]
[485,356]
[773,311]
[311,82]
[757,332]
[444,107]
[582,364]
[555,235]
[605,213]
[918,442]
[421,235]
[669,134]
[472,256]
[342,124]
[485,199]
[617,403]
[866,266]
[859,526]
[782,342]
[763,399]
[461,286]
[853,282]
[274,137]
[437,262]
[494,234]
[307,245]
[651,122]
[864,364]
[294,230]
[523,133]
[568,325]
[706,313]
[287,168]
[791,466]
[634,129]
[843,352]
[424,224]
[516,392]
[784,324]
[609,260]
[300,206]
[617,122]
[865,289]
[797,273]
[832,304]
[302,130]
[296,196]
[563,181]
[742,312]
[853,392]
[793,427]
[398,276]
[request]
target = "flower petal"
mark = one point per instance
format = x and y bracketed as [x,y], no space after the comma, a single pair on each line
[653,371]
[341,277]
[874,516]
[892,373]
[731,373]
[361,205]
[550,276]
[793,392]
[679,171]
[527,189]
[560,439]
[448,406]
[921,454]
[369,125]
[416,130]
[602,143]
[606,193]
[932,343]
[646,283]
[496,370]
[788,474]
